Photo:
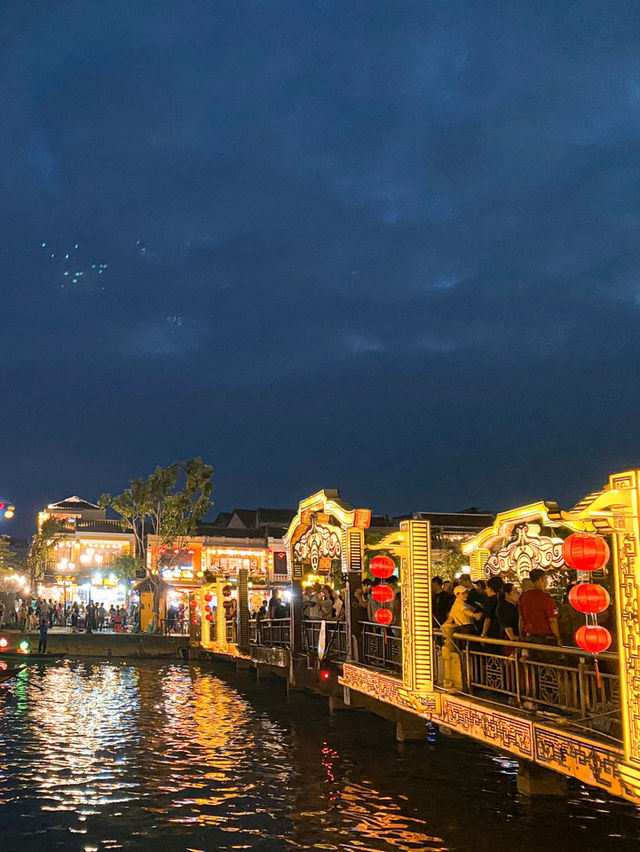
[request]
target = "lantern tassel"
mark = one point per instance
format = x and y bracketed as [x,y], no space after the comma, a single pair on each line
[597,669]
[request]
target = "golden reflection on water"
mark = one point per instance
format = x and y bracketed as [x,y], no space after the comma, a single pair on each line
[119,755]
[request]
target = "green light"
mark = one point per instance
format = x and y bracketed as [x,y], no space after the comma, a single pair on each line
[24,646]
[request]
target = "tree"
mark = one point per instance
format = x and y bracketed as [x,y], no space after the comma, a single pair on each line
[125,567]
[166,505]
[7,556]
[39,554]
[450,560]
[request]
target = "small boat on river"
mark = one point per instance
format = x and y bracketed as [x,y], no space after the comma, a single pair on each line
[7,674]
[19,655]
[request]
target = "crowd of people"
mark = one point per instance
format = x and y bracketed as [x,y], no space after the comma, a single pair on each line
[29,614]
[503,610]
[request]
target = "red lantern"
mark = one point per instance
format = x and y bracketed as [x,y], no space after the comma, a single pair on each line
[584,552]
[208,596]
[382,594]
[384,616]
[194,604]
[194,620]
[382,567]
[593,638]
[208,616]
[589,598]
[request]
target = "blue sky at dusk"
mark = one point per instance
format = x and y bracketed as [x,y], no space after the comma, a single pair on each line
[388,247]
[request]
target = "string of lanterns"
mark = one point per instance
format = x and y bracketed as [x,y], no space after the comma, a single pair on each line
[586,553]
[383,567]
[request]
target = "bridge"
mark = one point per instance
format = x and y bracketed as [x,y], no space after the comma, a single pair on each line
[550,707]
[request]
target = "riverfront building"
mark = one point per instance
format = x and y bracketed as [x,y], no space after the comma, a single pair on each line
[81,554]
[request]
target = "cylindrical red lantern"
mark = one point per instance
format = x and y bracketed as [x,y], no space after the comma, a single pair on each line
[382,567]
[585,552]
[589,598]
[384,616]
[382,593]
[593,638]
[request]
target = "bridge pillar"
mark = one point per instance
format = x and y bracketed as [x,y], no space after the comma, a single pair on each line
[410,727]
[534,780]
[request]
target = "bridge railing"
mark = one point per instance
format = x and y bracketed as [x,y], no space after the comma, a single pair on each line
[270,632]
[336,642]
[382,646]
[540,677]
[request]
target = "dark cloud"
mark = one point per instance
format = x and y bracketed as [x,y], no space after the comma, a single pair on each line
[388,247]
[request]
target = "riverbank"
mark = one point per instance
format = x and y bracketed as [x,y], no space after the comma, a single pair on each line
[105,645]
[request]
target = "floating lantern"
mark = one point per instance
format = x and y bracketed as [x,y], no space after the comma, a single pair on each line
[585,552]
[3,642]
[589,598]
[384,616]
[382,567]
[382,593]
[593,638]
[24,647]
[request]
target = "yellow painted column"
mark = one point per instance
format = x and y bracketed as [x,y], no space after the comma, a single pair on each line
[477,562]
[205,628]
[417,638]
[221,624]
[626,561]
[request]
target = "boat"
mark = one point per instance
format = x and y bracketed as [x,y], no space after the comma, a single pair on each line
[19,655]
[7,674]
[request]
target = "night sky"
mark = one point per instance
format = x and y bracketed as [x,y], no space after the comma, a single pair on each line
[390,247]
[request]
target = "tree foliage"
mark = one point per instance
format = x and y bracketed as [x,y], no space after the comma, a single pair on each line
[40,550]
[167,504]
[7,556]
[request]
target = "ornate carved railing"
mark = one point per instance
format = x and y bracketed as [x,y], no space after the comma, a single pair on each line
[382,646]
[336,638]
[272,633]
[542,678]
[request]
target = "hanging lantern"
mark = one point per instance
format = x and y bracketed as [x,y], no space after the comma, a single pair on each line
[194,604]
[589,598]
[208,616]
[382,593]
[585,552]
[382,567]
[384,616]
[194,621]
[208,597]
[593,638]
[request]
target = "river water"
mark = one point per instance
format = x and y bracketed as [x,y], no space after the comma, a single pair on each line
[107,756]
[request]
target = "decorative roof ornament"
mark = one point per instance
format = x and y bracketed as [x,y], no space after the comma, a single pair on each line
[526,550]
[317,542]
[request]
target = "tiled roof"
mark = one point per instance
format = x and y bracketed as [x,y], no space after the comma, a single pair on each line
[74,504]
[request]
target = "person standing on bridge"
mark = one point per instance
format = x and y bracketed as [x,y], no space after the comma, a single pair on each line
[539,612]
[490,626]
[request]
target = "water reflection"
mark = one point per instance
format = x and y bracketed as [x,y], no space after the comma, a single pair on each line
[137,757]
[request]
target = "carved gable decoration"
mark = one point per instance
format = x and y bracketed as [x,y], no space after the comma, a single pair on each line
[318,546]
[526,550]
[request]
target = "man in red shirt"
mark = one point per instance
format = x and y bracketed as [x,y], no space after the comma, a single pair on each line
[538,612]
